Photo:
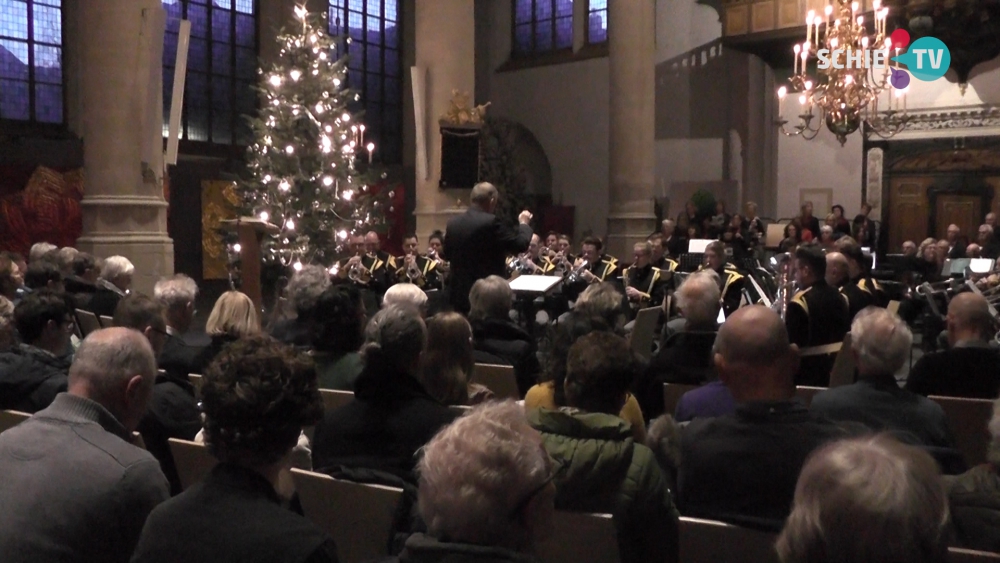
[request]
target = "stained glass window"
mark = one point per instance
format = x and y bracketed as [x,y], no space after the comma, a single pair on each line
[31,71]
[541,26]
[597,21]
[221,70]
[375,68]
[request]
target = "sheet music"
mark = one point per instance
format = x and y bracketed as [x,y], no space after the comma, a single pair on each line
[534,284]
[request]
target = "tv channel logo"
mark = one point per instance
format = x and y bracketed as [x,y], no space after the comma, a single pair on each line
[927,59]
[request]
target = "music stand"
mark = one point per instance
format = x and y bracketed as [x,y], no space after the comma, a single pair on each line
[526,289]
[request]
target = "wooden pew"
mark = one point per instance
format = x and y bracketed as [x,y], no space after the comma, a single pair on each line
[967,419]
[193,461]
[10,419]
[579,537]
[641,340]
[334,399]
[358,516]
[807,393]
[710,541]
[499,379]
[197,381]
[672,395]
[106,321]
[958,555]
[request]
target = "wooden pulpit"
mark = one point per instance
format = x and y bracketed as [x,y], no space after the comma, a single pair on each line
[251,231]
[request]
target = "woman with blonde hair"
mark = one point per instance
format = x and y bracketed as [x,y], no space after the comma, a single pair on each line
[233,316]
[447,364]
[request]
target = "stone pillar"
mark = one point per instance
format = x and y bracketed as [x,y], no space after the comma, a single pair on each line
[120,46]
[445,49]
[632,50]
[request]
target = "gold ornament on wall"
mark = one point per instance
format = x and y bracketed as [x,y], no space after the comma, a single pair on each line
[460,113]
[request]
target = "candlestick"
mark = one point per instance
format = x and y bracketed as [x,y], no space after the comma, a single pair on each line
[795,69]
[781,101]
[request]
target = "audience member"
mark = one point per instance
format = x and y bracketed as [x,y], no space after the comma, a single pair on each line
[112,285]
[816,316]
[970,367]
[807,220]
[664,438]
[486,490]
[40,250]
[447,364]
[234,316]
[10,278]
[8,334]
[956,244]
[43,275]
[81,282]
[173,410]
[603,300]
[550,393]
[258,395]
[742,467]
[406,295]
[973,251]
[302,292]
[909,249]
[74,488]
[34,372]
[64,260]
[392,415]
[180,353]
[880,345]
[974,497]
[841,226]
[685,356]
[340,315]
[603,468]
[867,500]
[988,242]
[493,331]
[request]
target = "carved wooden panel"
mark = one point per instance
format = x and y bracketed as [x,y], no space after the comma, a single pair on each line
[789,13]
[966,160]
[763,16]
[966,211]
[737,19]
[908,211]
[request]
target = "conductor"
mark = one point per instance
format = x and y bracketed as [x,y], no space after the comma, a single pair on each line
[477,244]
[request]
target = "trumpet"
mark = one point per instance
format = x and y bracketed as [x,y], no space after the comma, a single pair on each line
[412,269]
[523,264]
[358,273]
[576,274]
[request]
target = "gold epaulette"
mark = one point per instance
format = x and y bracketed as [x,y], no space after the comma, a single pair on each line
[800,299]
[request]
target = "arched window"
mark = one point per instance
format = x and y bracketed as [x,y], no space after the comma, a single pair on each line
[375,68]
[542,26]
[221,69]
[31,69]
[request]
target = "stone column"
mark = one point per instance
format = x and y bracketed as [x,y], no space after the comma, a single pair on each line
[445,49]
[120,46]
[632,50]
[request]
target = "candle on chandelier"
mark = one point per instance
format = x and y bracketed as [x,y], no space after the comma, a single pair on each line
[829,14]
[797,49]
[809,24]
[782,92]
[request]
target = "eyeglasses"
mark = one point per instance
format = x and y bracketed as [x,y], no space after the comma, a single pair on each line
[556,469]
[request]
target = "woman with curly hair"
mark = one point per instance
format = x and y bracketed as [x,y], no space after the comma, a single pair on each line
[337,336]
[257,396]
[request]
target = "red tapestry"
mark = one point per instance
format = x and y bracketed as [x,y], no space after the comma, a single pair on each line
[46,210]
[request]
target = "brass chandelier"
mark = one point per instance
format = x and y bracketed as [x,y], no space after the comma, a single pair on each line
[852,83]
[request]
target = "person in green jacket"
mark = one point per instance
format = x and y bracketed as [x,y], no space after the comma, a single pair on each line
[603,469]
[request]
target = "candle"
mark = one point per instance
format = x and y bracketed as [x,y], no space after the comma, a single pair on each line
[371,148]
[781,101]
[362,127]
[797,48]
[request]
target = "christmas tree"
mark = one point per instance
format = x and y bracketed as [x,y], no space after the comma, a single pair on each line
[310,162]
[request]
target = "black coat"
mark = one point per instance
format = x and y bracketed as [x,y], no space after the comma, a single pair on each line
[391,417]
[104,302]
[80,290]
[970,372]
[180,354]
[172,413]
[30,378]
[477,244]
[511,343]
[974,500]
[233,515]
[685,358]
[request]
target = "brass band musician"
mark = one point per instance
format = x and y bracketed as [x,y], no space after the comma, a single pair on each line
[415,268]
[645,284]
[730,279]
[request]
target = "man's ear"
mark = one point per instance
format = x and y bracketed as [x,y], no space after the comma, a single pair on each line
[134,389]
[720,368]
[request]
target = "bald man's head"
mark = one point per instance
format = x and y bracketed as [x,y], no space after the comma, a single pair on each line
[753,355]
[837,269]
[968,318]
[116,368]
[372,243]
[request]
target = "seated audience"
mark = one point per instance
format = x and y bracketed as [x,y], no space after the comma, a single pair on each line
[909,249]
[173,410]
[81,282]
[339,333]
[179,356]
[742,468]
[974,497]
[302,291]
[867,499]
[970,367]
[604,300]
[880,345]
[10,278]
[406,295]
[234,316]
[493,332]
[43,275]
[258,395]
[686,356]
[64,258]
[486,490]
[550,393]
[987,242]
[447,364]
[603,469]
[34,372]
[112,285]
[40,250]
[8,334]
[392,415]
[74,488]
[791,239]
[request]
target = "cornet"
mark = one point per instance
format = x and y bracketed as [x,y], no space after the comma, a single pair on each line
[412,269]
[577,273]
[359,273]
